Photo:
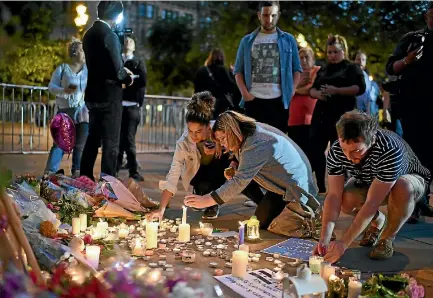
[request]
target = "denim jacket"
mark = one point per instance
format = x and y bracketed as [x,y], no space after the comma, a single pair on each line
[289,62]
[275,162]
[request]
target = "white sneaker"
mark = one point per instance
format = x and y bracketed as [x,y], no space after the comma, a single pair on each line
[250,203]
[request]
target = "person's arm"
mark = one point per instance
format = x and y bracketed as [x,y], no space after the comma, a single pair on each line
[113,46]
[386,101]
[251,160]
[55,85]
[142,73]
[395,64]
[357,80]
[240,69]
[333,200]
[169,186]
[306,89]
[296,64]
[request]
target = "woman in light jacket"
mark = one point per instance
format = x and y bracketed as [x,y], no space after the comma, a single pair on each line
[68,83]
[196,158]
[267,157]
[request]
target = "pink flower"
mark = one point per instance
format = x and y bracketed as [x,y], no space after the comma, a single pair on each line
[412,281]
[87,239]
[50,206]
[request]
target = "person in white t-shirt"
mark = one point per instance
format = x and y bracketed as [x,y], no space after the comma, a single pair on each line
[268,69]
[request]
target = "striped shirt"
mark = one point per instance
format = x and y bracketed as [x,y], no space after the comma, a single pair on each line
[389,158]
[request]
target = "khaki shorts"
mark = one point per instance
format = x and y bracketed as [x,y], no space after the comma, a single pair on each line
[418,184]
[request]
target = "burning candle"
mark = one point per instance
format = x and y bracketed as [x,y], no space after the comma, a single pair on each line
[206,229]
[92,255]
[151,235]
[83,222]
[315,263]
[355,288]
[184,215]
[76,225]
[123,233]
[241,232]
[239,263]
[184,232]
[326,271]
[138,249]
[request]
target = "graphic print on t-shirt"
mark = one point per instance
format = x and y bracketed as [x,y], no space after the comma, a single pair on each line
[265,66]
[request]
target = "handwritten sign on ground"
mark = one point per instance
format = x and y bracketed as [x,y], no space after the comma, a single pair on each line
[293,248]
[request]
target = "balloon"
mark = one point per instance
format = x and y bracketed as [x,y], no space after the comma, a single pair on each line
[63,132]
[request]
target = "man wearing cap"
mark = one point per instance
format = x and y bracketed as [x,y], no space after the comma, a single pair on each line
[103,94]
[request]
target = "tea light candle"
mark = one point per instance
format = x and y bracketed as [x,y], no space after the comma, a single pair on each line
[239,263]
[326,271]
[76,225]
[244,247]
[184,232]
[92,255]
[279,276]
[83,222]
[184,215]
[241,232]
[123,233]
[138,249]
[152,235]
[206,229]
[355,288]
[315,263]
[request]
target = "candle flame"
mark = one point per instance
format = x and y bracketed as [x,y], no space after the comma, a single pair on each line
[242,224]
[201,224]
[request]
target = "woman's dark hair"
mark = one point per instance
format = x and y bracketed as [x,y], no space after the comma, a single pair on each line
[109,10]
[216,56]
[200,108]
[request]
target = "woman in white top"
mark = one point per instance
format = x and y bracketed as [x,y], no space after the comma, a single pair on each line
[68,83]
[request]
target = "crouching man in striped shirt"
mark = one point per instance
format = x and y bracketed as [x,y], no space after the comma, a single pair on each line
[369,167]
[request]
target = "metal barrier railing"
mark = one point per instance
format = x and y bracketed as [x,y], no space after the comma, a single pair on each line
[26,112]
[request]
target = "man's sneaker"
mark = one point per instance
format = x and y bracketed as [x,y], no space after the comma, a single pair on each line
[250,203]
[211,212]
[137,177]
[383,250]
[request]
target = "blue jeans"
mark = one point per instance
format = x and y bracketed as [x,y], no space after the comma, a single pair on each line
[56,154]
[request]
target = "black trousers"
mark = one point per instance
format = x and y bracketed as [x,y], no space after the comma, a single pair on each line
[322,131]
[104,128]
[300,134]
[269,204]
[210,177]
[128,130]
[269,111]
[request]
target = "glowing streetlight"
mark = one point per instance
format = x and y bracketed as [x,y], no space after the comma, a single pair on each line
[82,18]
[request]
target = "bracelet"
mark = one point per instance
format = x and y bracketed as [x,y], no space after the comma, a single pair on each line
[404,61]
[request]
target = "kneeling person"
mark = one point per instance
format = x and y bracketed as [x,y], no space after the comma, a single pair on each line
[383,170]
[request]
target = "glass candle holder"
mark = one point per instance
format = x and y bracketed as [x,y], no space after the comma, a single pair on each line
[315,264]
[206,229]
[253,229]
[188,256]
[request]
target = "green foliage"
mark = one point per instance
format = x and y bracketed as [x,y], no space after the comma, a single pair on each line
[31,62]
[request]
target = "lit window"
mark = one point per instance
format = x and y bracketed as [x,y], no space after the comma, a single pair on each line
[150,11]
[163,14]
[142,10]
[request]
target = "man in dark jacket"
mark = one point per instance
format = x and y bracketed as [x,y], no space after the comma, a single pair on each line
[103,94]
[133,97]
[412,61]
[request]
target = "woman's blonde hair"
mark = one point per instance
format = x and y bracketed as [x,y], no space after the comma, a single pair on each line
[340,40]
[73,47]
[307,50]
[236,126]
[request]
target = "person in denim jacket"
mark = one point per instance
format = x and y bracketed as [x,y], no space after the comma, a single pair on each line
[267,69]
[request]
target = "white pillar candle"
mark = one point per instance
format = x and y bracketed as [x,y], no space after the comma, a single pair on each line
[244,247]
[184,214]
[123,233]
[151,235]
[184,232]
[92,255]
[326,271]
[83,222]
[315,264]
[101,228]
[239,263]
[76,226]
[355,288]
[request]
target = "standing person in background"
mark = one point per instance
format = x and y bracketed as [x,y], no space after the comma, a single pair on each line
[366,102]
[268,69]
[336,86]
[133,97]
[217,79]
[302,105]
[68,83]
[104,89]
[412,61]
